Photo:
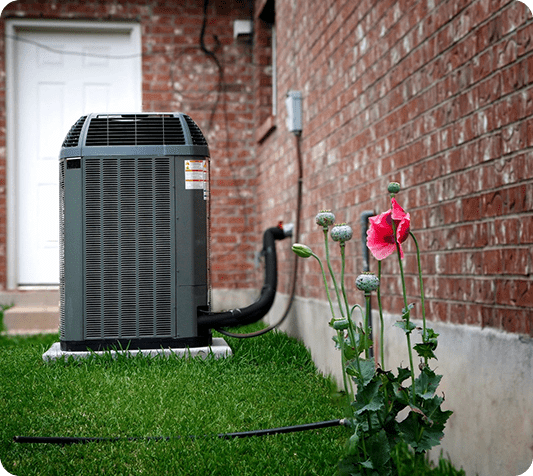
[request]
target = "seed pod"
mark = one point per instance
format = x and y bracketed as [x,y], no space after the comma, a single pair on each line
[367,282]
[394,187]
[325,218]
[341,233]
[341,324]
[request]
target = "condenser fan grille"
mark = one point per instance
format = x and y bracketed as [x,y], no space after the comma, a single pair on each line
[135,129]
[196,134]
[73,136]
[128,247]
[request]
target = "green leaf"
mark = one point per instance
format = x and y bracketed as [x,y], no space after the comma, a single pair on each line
[403,374]
[349,352]
[430,336]
[379,451]
[337,342]
[433,409]
[406,312]
[425,350]
[406,326]
[426,383]
[351,466]
[409,430]
[368,399]
[429,344]
[401,394]
[363,341]
[353,442]
[423,432]
[364,373]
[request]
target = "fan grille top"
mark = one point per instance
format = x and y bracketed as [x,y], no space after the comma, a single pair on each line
[147,129]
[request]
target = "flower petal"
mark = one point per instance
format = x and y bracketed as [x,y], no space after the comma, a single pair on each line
[380,238]
[397,212]
[402,220]
[404,227]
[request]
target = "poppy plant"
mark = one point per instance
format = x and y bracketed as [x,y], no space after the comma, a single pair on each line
[380,235]
[367,383]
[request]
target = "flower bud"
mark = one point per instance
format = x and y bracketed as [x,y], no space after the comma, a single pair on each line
[325,218]
[394,187]
[367,282]
[342,232]
[303,251]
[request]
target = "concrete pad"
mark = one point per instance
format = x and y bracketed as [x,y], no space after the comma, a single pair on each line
[219,349]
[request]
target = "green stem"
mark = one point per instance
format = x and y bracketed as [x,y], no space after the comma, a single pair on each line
[382,327]
[367,319]
[348,310]
[406,313]
[325,285]
[331,271]
[347,388]
[351,327]
[407,320]
[422,301]
[343,265]
[351,333]
[340,335]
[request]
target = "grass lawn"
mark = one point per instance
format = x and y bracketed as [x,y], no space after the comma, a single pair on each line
[269,382]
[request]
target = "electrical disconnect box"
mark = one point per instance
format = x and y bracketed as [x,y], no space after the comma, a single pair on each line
[293,103]
[133,232]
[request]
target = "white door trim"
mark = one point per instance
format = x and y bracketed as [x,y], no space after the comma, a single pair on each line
[11,28]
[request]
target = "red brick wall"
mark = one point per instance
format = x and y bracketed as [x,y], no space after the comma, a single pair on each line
[179,76]
[437,95]
[434,94]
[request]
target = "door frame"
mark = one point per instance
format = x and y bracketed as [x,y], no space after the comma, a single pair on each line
[55,26]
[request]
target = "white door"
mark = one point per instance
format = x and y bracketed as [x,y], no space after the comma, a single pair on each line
[60,75]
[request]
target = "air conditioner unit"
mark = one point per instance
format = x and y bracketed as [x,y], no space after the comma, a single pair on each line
[133,232]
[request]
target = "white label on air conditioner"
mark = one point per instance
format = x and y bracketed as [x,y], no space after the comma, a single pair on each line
[195,174]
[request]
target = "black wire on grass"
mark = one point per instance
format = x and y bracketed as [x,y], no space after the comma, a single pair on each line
[69,440]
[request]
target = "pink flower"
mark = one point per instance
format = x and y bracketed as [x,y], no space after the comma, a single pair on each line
[380,235]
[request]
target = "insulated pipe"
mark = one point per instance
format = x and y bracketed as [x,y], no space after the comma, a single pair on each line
[257,310]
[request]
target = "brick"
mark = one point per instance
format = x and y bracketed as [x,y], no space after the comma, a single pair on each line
[490,318]
[524,293]
[515,321]
[516,261]
[471,208]
[493,204]
[492,262]
[507,231]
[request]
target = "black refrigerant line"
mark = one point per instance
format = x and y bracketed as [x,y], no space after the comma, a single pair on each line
[69,440]
[366,262]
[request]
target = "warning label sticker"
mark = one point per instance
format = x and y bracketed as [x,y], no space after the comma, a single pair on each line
[195,174]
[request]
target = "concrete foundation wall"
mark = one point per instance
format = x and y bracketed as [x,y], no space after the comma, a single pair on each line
[225,299]
[488,383]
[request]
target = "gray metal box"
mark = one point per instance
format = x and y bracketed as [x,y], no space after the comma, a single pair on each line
[133,232]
